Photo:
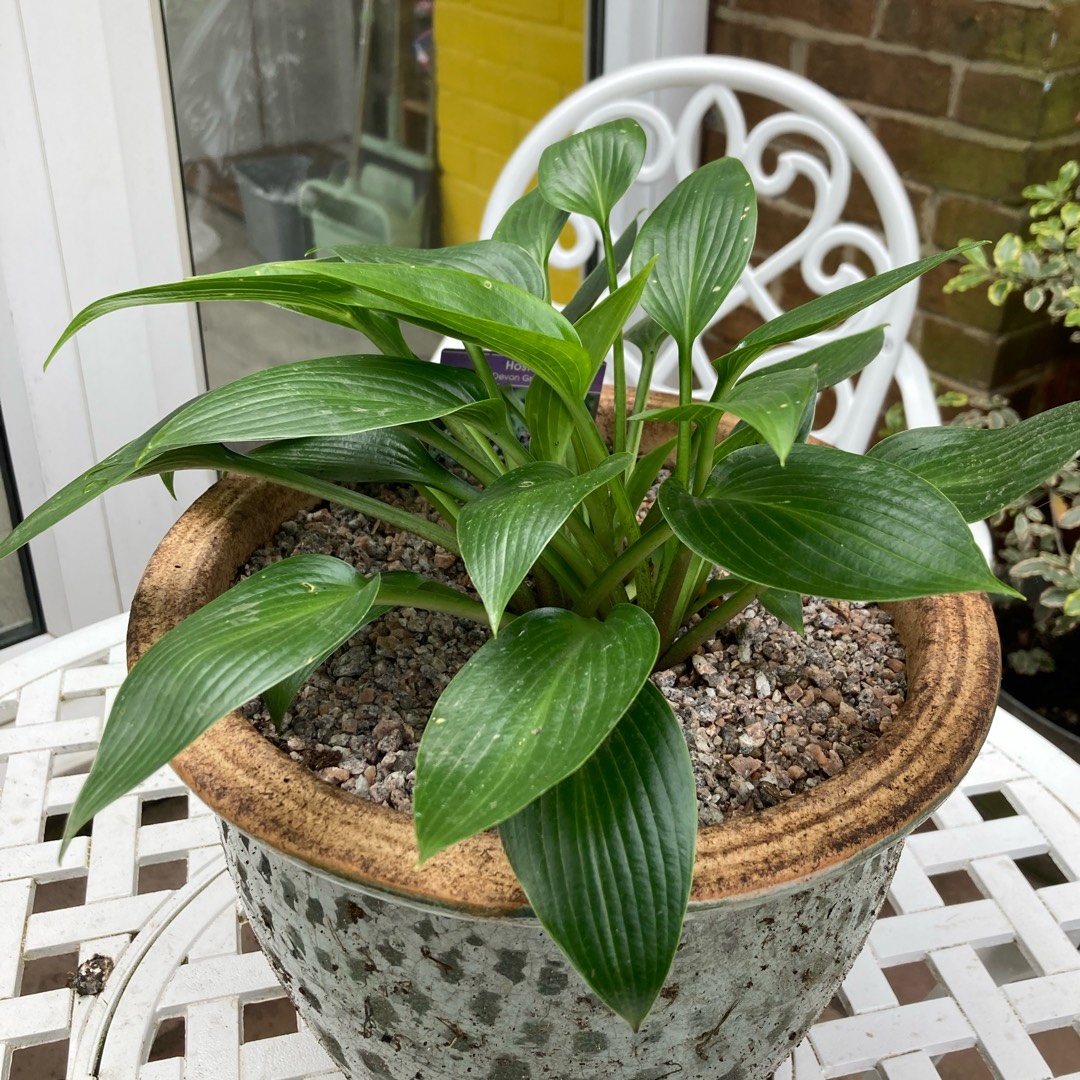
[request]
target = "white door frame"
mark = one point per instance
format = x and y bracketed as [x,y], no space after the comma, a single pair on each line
[90,203]
[637,30]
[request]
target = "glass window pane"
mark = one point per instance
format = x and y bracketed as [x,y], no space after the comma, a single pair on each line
[301,123]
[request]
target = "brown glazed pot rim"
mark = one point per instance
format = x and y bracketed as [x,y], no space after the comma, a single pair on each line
[953,674]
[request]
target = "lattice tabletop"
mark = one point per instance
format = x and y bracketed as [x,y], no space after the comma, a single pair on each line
[973,970]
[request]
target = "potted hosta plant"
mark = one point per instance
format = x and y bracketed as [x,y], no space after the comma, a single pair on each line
[599,931]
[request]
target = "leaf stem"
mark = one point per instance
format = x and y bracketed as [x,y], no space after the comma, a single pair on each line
[463,607]
[467,436]
[706,628]
[618,359]
[483,369]
[441,440]
[641,397]
[670,588]
[441,502]
[617,571]
[391,515]
[596,452]
[686,393]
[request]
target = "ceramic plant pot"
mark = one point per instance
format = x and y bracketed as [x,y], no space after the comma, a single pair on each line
[441,973]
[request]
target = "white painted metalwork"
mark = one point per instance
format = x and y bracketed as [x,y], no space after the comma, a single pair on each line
[993,933]
[810,147]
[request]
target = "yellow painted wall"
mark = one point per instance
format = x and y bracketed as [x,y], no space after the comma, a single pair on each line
[500,65]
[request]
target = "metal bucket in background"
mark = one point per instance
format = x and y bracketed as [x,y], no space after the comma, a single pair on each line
[270,195]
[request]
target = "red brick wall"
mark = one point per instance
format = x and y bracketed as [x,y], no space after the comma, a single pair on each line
[972,99]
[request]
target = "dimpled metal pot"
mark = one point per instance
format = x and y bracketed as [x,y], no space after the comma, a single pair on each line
[441,973]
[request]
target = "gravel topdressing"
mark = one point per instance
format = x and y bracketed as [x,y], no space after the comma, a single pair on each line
[766,713]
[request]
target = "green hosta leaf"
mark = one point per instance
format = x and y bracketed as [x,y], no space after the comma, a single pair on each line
[385,455]
[828,523]
[127,463]
[606,857]
[474,308]
[832,362]
[647,335]
[330,396]
[283,285]
[982,470]
[405,588]
[742,435]
[335,395]
[644,474]
[533,224]
[774,404]
[260,632]
[453,302]
[589,172]
[526,711]
[701,236]
[280,696]
[596,281]
[502,261]
[505,529]
[786,606]
[832,308]
[599,327]
[550,423]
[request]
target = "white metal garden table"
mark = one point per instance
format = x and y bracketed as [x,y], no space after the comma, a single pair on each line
[973,971]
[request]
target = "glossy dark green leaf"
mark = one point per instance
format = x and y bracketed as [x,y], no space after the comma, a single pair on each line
[526,711]
[596,281]
[832,362]
[505,262]
[283,285]
[505,529]
[606,857]
[644,474]
[774,404]
[984,469]
[127,463]
[786,606]
[828,523]
[264,629]
[280,696]
[701,236]
[474,308]
[647,334]
[832,308]
[452,302]
[589,172]
[599,327]
[533,224]
[550,422]
[334,395]
[385,455]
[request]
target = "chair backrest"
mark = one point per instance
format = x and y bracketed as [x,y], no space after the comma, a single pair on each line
[813,141]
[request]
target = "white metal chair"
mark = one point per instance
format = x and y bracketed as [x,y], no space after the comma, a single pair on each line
[815,137]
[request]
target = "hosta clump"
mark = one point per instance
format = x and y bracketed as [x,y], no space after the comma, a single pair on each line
[552,731]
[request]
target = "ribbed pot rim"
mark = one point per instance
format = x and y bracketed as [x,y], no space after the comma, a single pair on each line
[953,663]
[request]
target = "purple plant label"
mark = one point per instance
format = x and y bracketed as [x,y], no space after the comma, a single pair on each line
[507,372]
